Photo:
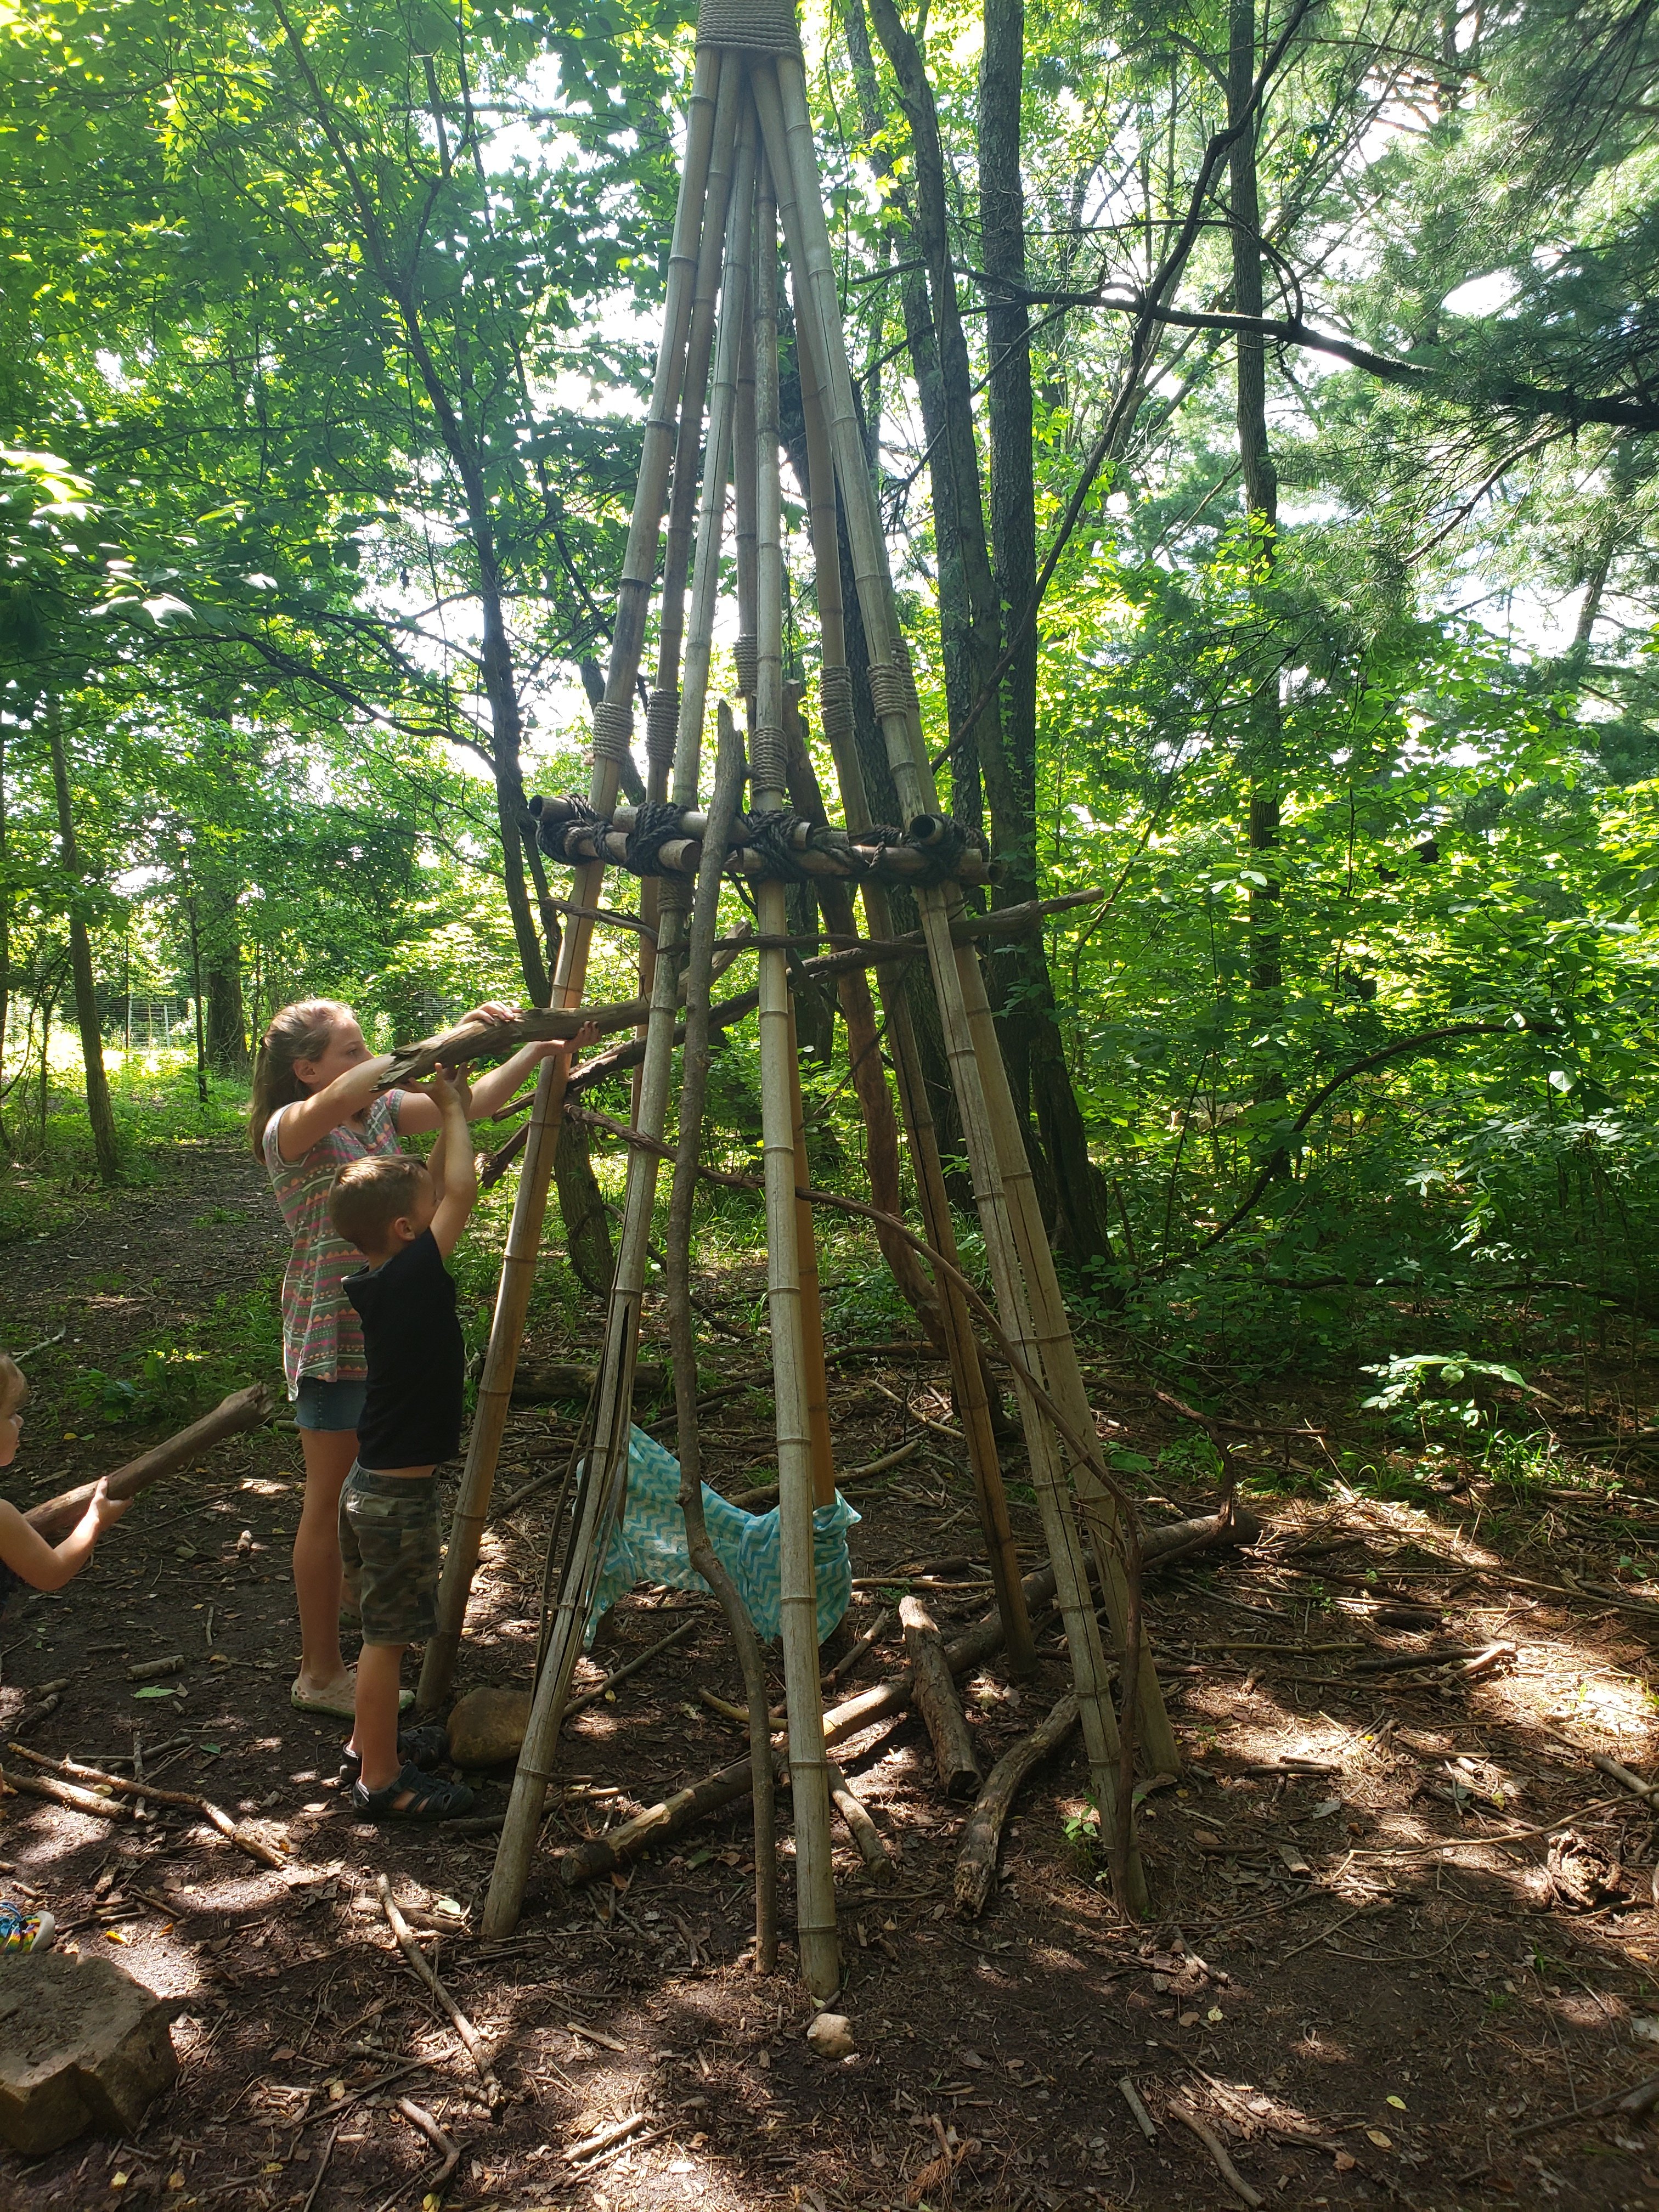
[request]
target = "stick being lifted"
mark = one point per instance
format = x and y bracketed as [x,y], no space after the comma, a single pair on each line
[243,1409]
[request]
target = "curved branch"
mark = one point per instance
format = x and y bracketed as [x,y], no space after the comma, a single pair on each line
[1424,1041]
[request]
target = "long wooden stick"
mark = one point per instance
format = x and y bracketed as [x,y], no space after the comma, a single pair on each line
[815,1898]
[474,2042]
[627,638]
[694,1091]
[1023,1266]
[934,1692]
[968,1387]
[255,1846]
[243,1409]
[605,1481]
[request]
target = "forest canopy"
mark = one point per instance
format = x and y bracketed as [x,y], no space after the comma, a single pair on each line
[1262,405]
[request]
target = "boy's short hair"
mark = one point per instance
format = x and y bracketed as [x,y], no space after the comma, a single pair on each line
[14,1385]
[367,1196]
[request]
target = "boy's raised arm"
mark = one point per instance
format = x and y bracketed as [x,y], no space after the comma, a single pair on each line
[454,1175]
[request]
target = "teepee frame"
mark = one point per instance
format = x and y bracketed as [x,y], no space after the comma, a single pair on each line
[750,175]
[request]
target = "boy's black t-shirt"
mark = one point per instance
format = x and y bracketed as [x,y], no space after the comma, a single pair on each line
[417,1361]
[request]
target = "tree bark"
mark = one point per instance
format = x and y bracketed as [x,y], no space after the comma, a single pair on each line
[99,1112]
[222,963]
[1016,972]
[5,944]
[1265,725]
[581,1205]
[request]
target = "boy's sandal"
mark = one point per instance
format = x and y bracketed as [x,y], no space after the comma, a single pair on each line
[425,1746]
[341,1707]
[429,1798]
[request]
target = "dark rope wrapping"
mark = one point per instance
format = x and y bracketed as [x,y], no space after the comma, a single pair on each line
[656,824]
[773,836]
[551,835]
[941,855]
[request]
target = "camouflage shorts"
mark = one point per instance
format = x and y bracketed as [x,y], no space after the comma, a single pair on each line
[389,1549]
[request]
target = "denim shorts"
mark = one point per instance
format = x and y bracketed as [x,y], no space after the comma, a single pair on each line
[320,1402]
[389,1550]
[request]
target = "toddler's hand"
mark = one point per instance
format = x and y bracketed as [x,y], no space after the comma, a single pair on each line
[104,1509]
[491,1013]
[587,1035]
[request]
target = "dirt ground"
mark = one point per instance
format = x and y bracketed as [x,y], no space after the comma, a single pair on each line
[1360,1975]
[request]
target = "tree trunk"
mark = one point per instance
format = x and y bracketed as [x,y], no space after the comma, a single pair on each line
[970,623]
[221,964]
[99,1112]
[200,1012]
[1017,976]
[5,944]
[1265,726]
[582,1203]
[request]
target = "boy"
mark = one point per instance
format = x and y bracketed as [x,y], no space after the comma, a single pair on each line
[405,1217]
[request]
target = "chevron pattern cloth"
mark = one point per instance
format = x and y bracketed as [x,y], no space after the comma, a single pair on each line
[648,1546]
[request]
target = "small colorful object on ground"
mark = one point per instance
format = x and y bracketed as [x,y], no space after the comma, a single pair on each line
[25,1931]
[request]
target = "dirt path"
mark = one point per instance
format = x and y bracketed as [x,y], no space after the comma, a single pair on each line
[1364,1992]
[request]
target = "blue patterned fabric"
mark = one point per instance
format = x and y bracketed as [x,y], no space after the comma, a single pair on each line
[648,1546]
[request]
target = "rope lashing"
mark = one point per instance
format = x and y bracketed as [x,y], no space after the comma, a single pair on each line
[836,701]
[656,824]
[942,840]
[613,730]
[907,668]
[568,830]
[891,688]
[763,27]
[745,651]
[779,837]
[662,722]
[572,834]
[769,760]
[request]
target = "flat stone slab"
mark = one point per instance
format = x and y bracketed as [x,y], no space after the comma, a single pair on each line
[82,2045]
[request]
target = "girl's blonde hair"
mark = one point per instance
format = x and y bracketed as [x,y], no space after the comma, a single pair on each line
[301,1031]
[14,1385]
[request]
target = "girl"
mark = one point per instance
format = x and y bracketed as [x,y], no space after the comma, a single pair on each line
[29,1562]
[318,1104]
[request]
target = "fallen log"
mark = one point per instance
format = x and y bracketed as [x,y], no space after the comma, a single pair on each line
[872,1849]
[244,1409]
[933,1693]
[569,1382]
[976,1859]
[590,1861]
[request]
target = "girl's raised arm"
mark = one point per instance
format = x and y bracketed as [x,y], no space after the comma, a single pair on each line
[308,1121]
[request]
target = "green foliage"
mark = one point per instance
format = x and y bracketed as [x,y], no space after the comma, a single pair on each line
[1420,1390]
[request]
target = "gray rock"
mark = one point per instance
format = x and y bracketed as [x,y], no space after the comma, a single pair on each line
[487,1726]
[82,2045]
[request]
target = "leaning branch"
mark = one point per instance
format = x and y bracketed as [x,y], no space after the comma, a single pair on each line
[1424,1041]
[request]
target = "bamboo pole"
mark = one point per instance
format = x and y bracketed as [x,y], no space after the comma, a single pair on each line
[815,1900]
[969,1389]
[605,1479]
[529,1200]
[786,131]
[694,1087]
